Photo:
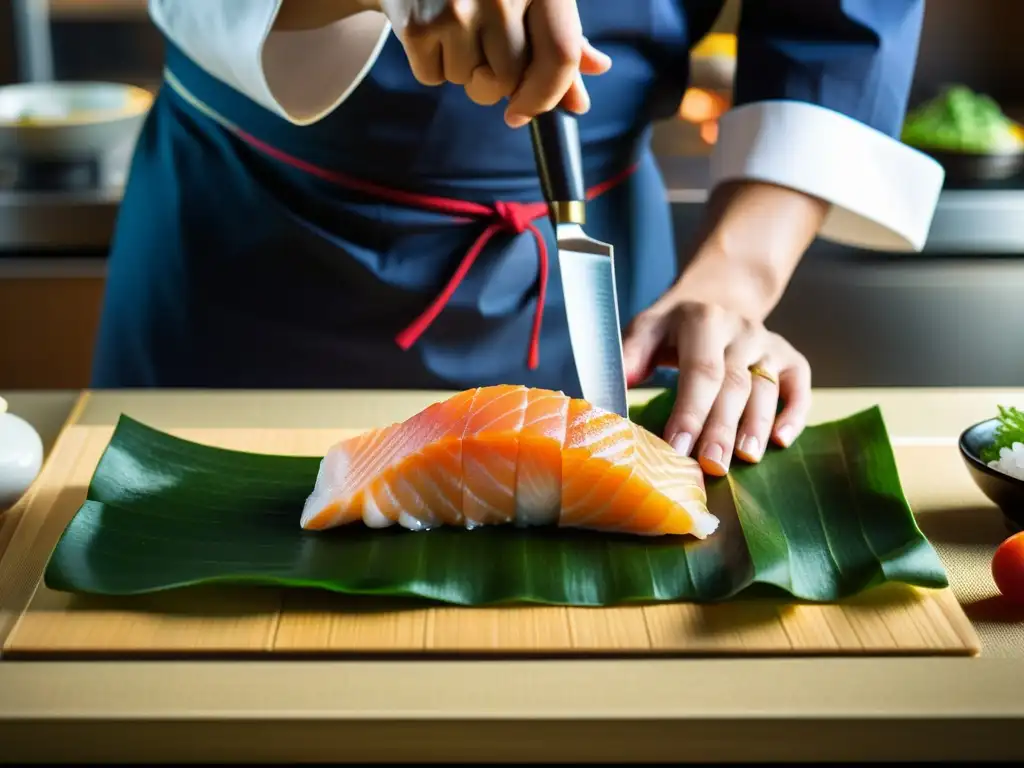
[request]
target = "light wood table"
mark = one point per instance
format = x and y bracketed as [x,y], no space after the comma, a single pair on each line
[585,710]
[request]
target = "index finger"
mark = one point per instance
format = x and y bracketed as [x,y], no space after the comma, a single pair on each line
[701,346]
[556,47]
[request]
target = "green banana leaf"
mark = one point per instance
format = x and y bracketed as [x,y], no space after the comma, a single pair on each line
[821,520]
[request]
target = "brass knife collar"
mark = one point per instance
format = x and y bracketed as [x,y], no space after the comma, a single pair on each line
[569,212]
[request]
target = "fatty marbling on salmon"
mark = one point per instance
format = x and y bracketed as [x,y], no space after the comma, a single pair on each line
[511,455]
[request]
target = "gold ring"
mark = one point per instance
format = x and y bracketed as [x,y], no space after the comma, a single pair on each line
[757,370]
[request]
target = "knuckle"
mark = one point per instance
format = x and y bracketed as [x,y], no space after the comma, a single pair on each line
[565,55]
[504,85]
[689,420]
[707,367]
[759,422]
[736,378]
[801,367]
[749,328]
[643,321]
[701,313]
[562,50]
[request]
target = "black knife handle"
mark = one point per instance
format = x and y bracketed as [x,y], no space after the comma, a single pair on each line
[556,148]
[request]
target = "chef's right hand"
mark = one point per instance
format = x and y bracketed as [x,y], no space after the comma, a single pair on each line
[531,52]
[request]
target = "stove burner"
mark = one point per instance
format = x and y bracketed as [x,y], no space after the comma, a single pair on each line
[24,175]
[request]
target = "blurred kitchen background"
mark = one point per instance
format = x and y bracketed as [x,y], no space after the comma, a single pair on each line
[950,316]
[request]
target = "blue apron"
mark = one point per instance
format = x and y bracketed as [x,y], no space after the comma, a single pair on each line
[248,252]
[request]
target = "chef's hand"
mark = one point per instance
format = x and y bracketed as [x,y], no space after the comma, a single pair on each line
[732,374]
[531,52]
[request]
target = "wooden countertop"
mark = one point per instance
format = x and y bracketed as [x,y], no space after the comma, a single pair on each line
[629,710]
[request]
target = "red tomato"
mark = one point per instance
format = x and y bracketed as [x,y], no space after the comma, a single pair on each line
[1008,568]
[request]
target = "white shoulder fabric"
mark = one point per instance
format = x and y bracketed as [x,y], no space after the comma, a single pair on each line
[883,193]
[302,76]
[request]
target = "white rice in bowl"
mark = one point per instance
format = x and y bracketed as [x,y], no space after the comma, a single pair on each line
[1010,461]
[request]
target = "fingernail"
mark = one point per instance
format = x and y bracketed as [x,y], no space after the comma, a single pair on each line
[784,435]
[750,448]
[682,443]
[713,460]
[516,121]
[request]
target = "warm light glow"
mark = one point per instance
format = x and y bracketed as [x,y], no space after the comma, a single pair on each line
[703,108]
[709,131]
[717,44]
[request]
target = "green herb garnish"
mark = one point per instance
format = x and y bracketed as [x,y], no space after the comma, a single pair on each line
[960,120]
[1009,431]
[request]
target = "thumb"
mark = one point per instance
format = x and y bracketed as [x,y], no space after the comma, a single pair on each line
[640,344]
[593,61]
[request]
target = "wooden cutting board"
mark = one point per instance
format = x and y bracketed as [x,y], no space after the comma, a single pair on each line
[36,622]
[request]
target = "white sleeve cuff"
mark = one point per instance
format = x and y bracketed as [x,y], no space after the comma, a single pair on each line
[882,193]
[300,75]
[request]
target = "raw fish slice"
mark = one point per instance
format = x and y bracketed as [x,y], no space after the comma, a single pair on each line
[508,454]
[358,477]
[539,470]
[490,449]
[618,477]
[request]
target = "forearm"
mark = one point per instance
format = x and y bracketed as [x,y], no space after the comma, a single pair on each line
[316,14]
[750,243]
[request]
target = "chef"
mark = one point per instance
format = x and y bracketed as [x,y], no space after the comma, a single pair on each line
[342,194]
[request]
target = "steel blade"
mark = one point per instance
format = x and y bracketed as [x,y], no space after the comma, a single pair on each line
[587,268]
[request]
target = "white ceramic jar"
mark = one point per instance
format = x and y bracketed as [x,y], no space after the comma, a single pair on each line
[21,457]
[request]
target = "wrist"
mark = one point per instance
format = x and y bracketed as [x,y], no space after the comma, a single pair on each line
[742,285]
[752,239]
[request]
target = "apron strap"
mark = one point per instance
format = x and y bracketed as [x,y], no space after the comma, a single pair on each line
[509,217]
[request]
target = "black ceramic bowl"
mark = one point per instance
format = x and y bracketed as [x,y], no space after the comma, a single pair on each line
[1004,491]
[976,168]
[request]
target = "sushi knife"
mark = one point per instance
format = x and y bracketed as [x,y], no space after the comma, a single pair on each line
[587,265]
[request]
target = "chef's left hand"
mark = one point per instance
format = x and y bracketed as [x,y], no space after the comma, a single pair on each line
[710,324]
[722,408]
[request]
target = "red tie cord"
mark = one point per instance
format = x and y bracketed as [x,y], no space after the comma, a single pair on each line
[512,217]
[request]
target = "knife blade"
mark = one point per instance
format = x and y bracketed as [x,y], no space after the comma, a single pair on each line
[587,266]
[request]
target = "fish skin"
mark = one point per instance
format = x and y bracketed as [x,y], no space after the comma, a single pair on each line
[508,454]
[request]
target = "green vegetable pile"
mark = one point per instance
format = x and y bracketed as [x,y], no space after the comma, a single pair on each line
[960,120]
[1009,431]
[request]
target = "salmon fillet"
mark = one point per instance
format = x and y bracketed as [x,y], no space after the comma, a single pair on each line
[510,454]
